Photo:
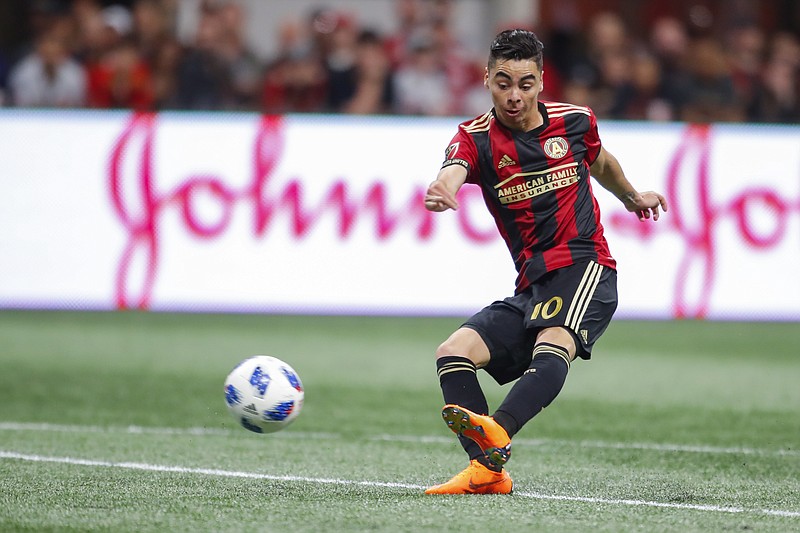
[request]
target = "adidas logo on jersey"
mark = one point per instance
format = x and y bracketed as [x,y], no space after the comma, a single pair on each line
[505,161]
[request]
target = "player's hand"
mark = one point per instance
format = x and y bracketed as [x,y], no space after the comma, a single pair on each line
[438,198]
[646,204]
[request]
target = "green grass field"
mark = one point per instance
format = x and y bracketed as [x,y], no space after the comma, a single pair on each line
[116,422]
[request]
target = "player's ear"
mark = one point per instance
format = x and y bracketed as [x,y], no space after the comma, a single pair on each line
[541,82]
[486,77]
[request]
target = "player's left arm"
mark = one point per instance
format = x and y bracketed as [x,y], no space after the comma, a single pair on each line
[608,173]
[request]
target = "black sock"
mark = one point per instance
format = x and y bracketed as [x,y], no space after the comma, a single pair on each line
[458,378]
[536,389]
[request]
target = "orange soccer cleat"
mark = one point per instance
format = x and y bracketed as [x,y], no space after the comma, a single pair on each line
[487,433]
[475,479]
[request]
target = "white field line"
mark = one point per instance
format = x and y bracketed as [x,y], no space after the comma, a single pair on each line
[145,430]
[381,484]
[443,439]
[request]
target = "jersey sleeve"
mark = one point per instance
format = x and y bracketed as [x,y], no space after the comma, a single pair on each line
[462,151]
[592,139]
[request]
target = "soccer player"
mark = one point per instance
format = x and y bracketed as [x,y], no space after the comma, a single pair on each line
[533,161]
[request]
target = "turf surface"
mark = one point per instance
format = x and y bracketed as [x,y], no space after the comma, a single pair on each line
[116,422]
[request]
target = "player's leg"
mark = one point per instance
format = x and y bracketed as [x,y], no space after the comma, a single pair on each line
[457,361]
[538,386]
[541,382]
[490,335]
[570,312]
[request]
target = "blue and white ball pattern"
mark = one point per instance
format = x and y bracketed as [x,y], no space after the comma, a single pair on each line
[264,394]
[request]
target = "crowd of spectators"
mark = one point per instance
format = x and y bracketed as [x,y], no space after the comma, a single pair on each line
[87,53]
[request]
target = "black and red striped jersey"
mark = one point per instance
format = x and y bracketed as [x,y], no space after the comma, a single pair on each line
[536,185]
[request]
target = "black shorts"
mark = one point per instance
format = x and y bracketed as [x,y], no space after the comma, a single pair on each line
[582,298]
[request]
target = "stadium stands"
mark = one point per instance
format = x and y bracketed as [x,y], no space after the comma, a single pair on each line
[699,62]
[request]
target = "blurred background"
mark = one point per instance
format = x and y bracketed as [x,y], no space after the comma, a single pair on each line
[686,60]
[281,147]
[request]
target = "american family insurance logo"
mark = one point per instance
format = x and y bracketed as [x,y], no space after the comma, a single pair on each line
[526,185]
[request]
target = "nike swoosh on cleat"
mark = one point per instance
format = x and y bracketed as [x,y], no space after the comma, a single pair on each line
[476,486]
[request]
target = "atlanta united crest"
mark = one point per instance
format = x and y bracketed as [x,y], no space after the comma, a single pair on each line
[451,151]
[556,147]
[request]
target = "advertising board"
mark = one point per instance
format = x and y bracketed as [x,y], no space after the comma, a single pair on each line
[323,214]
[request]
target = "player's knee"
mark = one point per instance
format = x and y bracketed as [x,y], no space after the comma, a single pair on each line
[446,349]
[559,336]
[465,343]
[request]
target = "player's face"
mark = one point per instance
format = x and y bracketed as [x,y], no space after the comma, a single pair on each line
[515,86]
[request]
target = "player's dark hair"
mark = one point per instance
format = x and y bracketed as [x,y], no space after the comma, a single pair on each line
[517,45]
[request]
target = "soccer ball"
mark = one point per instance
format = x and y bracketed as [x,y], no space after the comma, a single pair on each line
[264,394]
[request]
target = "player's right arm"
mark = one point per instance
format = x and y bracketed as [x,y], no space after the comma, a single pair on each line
[441,194]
